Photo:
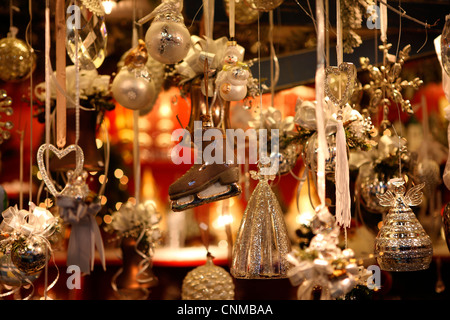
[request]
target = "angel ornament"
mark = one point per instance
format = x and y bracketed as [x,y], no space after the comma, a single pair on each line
[402,243]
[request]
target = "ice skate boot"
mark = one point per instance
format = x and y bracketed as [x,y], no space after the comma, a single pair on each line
[206,182]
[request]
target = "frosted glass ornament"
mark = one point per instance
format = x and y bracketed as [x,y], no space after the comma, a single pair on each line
[262,242]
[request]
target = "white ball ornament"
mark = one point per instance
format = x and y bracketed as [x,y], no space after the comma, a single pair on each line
[133,87]
[168,40]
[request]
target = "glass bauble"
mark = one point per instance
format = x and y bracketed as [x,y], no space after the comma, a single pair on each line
[287,158]
[133,88]
[445,45]
[264,5]
[402,243]
[262,242]
[310,153]
[17,60]
[370,184]
[208,282]
[10,275]
[92,37]
[244,14]
[30,254]
[168,40]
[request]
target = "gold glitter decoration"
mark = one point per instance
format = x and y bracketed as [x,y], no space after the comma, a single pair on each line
[17,60]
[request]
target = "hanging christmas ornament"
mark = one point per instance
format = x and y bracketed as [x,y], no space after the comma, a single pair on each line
[208,282]
[310,152]
[386,84]
[263,5]
[17,58]
[402,244]
[133,86]
[86,25]
[445,45]
[167,39]
[5,107]
[231,81]
[262,241]
[137,225]
[244,14]
[446,224]
[10,275]
[30,255]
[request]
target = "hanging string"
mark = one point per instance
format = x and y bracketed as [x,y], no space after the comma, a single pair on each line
[232,17]
[274,65]
[136,151]
[399,29]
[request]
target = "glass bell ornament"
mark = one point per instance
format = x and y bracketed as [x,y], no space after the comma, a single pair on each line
[30,254]
[88,29]
[402,243]
[262,242]
[168,40]
[445,45]
[208,282]
[133,87]
[263,5]
[17,59]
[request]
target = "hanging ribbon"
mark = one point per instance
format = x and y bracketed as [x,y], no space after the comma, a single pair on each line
[319,81]
[343,213]
[85,234]
[383,21]
[446,87]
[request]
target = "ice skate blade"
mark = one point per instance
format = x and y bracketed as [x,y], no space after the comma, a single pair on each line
[211,194]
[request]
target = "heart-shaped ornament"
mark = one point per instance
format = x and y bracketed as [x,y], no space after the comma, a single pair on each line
[60,153]
[339,83]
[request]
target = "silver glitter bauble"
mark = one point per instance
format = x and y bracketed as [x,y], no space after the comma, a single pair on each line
[370,184]
[402,243]
[310,153]
[168,40]
[262,242]
[30,255]
[208,282]
[17,60]
[263,5]
[10,275]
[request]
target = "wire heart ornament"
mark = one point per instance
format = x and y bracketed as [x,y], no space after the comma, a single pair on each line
[60,153]
[337,96]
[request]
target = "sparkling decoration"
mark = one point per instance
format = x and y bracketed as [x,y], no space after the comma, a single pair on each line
[208,282]
[17,59]
[263,5]
[244,14]
[310,150]
[137,225]
[168,40]
[30,255]
[76,186]
[323,271]
[351,15]
[5,107]
[386,85]
[27,245]
[60,154]
[10,275]
[445,45]
[133,86]
[92,37]
[402,244]
[262,242]
[339,83]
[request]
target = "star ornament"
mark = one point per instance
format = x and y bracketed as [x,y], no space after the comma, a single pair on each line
[386,84]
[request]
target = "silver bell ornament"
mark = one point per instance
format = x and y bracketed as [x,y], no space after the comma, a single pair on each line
[402,243]
[208,282]
[133,87]
[168,40]
[30,254]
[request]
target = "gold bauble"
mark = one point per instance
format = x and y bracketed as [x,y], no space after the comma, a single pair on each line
[17,60]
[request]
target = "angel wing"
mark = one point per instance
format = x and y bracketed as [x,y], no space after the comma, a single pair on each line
[386,199]
[414,196]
